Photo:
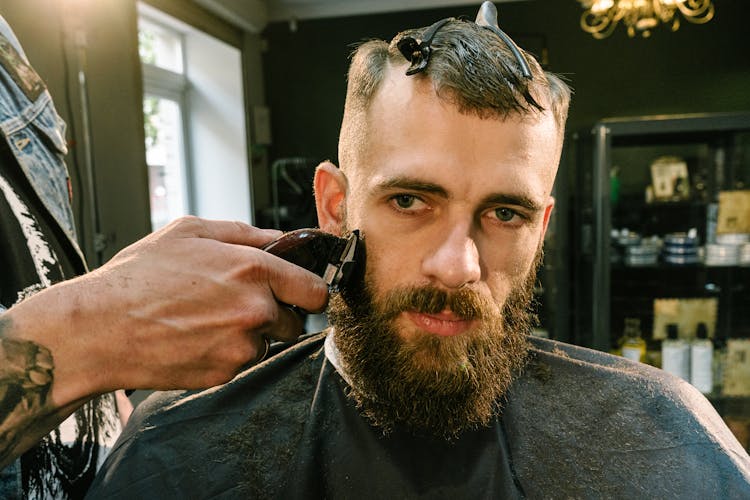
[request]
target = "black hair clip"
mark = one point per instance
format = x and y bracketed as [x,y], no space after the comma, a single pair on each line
[487,18]
[417,52]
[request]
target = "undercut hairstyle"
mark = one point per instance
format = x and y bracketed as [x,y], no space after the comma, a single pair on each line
[470,67]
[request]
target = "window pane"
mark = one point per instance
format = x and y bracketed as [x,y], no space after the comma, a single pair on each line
[166,164]
[159,46]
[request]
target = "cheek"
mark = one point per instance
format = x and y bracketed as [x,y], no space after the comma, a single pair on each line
[391,262]
[509,267]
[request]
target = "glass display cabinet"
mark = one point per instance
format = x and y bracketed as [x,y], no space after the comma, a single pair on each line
[660,235]
[646,214]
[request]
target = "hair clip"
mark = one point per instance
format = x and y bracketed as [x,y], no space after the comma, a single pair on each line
[487,18]
[417,52]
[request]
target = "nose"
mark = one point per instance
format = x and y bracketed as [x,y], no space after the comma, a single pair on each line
[454,260]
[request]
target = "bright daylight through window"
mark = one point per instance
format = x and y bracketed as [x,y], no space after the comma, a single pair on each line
[164,87]
[194,118]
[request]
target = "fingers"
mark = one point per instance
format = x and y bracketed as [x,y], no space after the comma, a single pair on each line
[196,302]
[294,285]
[288,326]
[233,232]
[290,284]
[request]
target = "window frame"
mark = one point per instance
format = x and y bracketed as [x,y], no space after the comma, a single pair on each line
[163,83]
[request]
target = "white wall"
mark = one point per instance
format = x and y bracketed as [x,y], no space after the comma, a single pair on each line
[221,182]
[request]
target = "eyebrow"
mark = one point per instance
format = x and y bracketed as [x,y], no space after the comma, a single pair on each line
[411,184]
[516,200]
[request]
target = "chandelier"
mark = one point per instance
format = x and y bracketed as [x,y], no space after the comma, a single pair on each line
[601,17]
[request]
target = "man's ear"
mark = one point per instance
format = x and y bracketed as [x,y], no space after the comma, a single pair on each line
[547,215]
[330,194]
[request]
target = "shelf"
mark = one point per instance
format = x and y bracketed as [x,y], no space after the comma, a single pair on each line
[618,266]
[657,126]
[639,203]
[716,148]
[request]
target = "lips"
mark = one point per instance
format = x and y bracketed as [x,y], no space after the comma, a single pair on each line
[444,324]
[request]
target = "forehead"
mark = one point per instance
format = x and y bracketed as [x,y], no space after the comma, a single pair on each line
[411,131]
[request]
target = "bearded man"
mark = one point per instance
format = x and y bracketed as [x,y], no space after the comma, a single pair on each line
[427,384]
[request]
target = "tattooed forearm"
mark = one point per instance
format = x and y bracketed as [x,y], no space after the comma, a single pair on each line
[26,373]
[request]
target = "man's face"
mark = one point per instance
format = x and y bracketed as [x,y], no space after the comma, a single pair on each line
[453,209]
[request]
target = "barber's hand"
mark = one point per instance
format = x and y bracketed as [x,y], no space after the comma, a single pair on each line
[185,307]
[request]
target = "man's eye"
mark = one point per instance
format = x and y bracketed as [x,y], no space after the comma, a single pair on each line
[404,200]
[505,214]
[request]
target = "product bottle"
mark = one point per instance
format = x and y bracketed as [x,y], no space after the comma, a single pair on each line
[701,360]
[633,345]
[675,354]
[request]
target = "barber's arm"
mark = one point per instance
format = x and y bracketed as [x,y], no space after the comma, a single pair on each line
[185,307]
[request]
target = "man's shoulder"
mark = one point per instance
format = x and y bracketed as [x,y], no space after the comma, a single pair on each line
[588,386]
[613,426]
[553,356]
[286,364]
[199,438]
[582,375]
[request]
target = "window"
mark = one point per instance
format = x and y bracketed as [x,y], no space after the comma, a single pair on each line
[165,159]
[194,122]
[159,46]
[165,86]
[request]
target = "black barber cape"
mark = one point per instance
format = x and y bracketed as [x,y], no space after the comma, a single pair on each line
[577,424]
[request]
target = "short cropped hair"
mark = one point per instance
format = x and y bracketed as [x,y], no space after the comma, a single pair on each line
[470,67]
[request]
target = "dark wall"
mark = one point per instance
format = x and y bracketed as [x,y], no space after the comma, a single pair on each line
[305,74]
[696,69]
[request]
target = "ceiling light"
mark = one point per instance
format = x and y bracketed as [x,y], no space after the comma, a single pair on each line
[601,17]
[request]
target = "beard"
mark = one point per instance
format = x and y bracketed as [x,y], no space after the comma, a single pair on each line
[429,384]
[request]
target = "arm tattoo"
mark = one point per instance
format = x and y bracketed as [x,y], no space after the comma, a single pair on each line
[26,374]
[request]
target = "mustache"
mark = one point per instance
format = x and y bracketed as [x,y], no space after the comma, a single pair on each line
[465,303]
